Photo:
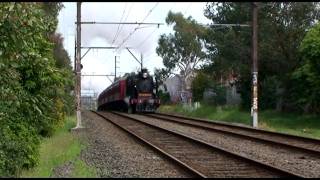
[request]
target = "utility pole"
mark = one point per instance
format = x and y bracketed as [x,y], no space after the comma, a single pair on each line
[78,68]
[75,56]
[115,68]
[254,108]
[141,59]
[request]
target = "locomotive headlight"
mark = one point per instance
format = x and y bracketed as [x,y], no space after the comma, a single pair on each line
[144,75]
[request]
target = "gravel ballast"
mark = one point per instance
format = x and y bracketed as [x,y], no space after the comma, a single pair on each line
[63,171]
[114,153]
[298,162]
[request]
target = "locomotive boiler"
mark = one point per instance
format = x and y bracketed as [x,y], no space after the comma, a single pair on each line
[131,93]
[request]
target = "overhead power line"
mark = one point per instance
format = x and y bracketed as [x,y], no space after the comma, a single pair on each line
[131,33]
[121,27]
[119,24]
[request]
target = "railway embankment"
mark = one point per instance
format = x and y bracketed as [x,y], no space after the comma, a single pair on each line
[114,153]
[103,149]
[62,155]
[301,125]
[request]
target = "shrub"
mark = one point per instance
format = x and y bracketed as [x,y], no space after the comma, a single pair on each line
[164,97]
[31,87]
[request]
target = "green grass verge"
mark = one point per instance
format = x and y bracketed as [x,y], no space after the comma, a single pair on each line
[59,149]
[291,123]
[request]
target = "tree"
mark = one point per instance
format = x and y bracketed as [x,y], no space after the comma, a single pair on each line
[63,62]
[61,57]
[161,75]
[199,85]
[305,91]
[183,50]
[281,28]
[31,86]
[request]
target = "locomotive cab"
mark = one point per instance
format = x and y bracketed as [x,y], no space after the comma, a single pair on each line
[146,98]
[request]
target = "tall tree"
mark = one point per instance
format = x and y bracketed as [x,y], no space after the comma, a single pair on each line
[32,87]
[305,90]
[60,55]
[281,28]
[183,50]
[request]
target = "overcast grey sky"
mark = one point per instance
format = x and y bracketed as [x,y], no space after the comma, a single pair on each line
[144,40]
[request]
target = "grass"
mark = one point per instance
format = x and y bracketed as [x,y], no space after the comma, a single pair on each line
[81,170]
[291,123]
[59,149]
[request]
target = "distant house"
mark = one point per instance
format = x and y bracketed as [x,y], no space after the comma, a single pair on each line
[232,95]
[174,87]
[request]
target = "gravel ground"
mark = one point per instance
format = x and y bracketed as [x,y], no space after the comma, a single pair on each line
[63,171]
[114,153]
[298,162]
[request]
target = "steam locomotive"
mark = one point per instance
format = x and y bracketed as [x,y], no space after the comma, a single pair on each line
[131,93]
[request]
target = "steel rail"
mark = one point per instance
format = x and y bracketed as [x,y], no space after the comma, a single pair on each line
[203,125]
[243,127]
[169,156]
[220,149]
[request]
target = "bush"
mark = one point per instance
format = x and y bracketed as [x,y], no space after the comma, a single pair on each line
[220,98]
[164,97]
[305,85]
[32,87]
[198,86]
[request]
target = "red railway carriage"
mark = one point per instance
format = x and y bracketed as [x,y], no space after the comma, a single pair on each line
[115,92]
[131,93]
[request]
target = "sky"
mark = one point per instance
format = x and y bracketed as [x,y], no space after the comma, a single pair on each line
[143,40]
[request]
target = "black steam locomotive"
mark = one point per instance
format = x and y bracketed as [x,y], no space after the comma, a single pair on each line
[131,93]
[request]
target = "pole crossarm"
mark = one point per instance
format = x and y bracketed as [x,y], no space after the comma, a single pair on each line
[85,53]
[100,47]
[130,23]
[227,25]
[134,56]
[97,75]
[241,25]
[109,79]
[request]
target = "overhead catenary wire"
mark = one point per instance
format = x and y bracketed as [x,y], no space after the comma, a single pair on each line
[132,32]
[152,54]
[119,24]
[138,26]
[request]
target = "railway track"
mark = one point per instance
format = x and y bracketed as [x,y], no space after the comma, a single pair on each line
[292,141]
[199,157]
[293,153]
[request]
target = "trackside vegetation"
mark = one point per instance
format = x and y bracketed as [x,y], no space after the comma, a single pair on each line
[34,86]
[63,148]
[291,123]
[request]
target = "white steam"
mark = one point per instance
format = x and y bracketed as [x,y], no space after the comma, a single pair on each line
[113,12]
